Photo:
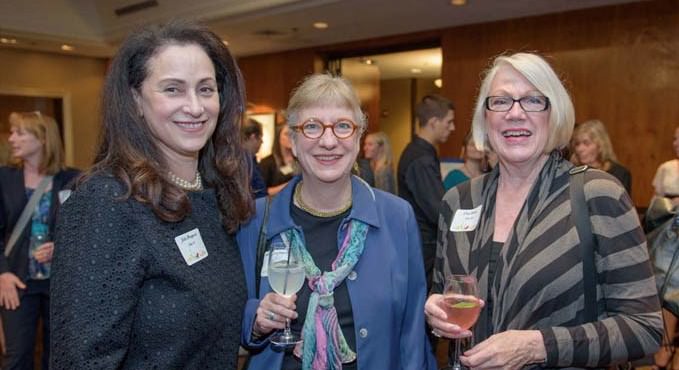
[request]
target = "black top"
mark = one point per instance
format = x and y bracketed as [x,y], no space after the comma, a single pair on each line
[321,235]
[496,247]
[622,174]
[13,199]
[420,183]
[365,172]
[271,173]
[257,181]
[124,297]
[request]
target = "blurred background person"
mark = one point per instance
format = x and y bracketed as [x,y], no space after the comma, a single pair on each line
[419,170]
[666,184]
[512,230]
[251,131]
[279,167]
[475,164]
[147,272]
[592,146]
[361,306]
[38,172]
[377,149]
[666,179]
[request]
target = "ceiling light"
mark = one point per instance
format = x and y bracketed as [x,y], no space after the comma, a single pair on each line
[438,83]
[5,40]
[367,61]
[415,70]
[67,47]
[458,2]
[320,25]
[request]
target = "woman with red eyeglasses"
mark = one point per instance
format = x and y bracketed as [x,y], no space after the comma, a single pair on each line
[360,305]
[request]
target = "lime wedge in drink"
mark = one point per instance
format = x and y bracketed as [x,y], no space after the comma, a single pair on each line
[464,305]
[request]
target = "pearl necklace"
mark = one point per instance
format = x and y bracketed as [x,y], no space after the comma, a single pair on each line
[196,185]
[297,200]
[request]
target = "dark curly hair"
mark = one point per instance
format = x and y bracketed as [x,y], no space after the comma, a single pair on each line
[127,148]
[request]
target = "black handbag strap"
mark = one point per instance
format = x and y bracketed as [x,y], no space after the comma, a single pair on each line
[580,217]
[261,245]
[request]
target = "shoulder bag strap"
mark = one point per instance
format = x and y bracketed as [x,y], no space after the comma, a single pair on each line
[26,214]
[261,245]
[580,216]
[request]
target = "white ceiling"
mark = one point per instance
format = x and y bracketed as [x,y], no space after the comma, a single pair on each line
[255,26]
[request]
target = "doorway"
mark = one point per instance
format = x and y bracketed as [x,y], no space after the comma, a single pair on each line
[390,85]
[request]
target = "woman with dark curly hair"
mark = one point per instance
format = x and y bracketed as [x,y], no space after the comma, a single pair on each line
[148,274]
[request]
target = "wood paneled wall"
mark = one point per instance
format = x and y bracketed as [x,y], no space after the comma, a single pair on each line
[270,78]
[620,64]
[78,80]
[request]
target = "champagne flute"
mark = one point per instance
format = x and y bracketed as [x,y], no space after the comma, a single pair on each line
[462,306]
[286,277]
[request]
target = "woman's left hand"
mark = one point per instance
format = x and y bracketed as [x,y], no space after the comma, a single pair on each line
[43,253]
[507,350]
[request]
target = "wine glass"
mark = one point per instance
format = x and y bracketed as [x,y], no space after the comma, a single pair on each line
[286,277]
[461,304]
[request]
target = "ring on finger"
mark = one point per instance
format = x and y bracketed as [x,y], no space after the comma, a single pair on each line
[436,334]
[271,316]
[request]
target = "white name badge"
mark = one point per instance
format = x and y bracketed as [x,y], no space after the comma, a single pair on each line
[63,195]
[466,219]
[191,246]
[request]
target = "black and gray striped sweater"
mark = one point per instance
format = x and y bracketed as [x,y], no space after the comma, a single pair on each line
[538,279]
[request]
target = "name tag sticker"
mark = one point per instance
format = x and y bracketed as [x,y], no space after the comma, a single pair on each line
[466,219]
[63,195]
[191,246]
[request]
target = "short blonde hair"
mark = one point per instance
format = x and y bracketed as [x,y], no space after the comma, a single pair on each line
[539,73]
[596,131]
[45,129]
[325,90]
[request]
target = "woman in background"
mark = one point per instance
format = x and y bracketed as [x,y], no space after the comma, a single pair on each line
[666,179]
[279,167]
[592,146]
[38,157]
[377,149]
[475,164]
[147,272]
[361,306]
[666,184]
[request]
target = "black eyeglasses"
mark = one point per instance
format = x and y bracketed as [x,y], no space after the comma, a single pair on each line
[313,128]
[535,103]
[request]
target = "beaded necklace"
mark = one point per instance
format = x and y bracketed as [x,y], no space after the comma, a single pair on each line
[297,200]
[196,185]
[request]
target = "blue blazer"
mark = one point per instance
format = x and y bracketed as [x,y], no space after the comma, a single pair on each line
[387,287]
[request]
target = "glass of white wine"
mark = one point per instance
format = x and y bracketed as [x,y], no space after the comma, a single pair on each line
[286,277]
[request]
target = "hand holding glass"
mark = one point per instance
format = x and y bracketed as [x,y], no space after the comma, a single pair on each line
[286,277]
[462,306]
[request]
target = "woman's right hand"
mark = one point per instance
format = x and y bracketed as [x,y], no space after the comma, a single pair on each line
[9,296]
[272,312]
[437,319]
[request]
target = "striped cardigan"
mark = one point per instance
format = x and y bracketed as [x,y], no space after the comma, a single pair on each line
[538,278]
